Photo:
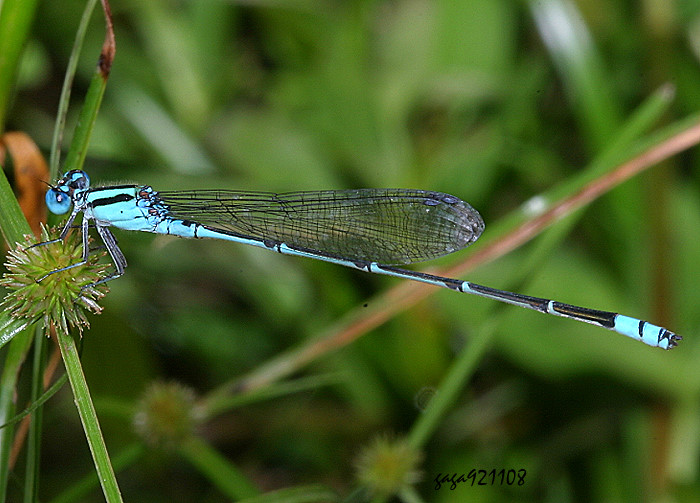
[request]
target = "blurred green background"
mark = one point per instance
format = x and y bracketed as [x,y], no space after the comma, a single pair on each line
[495,101]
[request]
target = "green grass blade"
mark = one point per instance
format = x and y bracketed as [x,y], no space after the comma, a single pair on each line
[66,89]
[581,68]
[15,20]
[217,469]
[32,471]
[88,113]
[16,354]
[13,226]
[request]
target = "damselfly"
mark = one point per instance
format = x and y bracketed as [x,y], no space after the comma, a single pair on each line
[372,230]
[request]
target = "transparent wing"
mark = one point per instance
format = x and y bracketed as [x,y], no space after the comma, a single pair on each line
[389,226]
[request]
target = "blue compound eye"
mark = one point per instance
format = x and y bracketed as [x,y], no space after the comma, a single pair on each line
[77,179]
[57,201]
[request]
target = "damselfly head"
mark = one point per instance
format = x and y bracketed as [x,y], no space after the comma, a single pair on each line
[60,197]
[75,179]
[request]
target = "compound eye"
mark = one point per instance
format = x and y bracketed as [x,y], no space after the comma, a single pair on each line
[57,201]
[77,179]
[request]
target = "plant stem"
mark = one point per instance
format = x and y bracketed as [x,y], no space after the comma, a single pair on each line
[88,417]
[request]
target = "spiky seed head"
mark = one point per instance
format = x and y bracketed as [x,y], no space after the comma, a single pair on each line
[39,289]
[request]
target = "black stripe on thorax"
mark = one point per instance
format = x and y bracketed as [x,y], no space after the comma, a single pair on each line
[106,201]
